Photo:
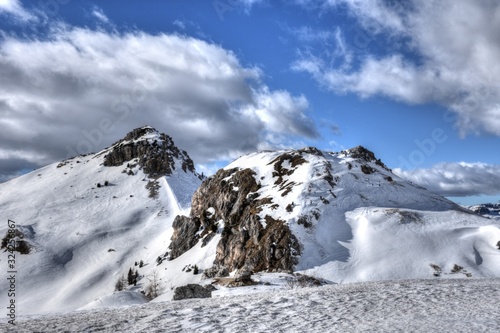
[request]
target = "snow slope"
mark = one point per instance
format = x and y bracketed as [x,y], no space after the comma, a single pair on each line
[86,236]
[465,305]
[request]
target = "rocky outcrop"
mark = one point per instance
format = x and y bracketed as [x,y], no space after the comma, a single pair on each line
[154,152]
[192,291]
[184,236]
[366,155]
[229,202]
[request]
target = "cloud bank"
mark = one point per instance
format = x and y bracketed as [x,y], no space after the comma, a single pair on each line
[439,51]
[457,179]
[15,8]
[86,88]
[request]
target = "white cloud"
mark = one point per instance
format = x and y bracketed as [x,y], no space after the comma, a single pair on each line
[455,50]
[457,179]
[62,101]
[179,24]
[14,7]
[99,14]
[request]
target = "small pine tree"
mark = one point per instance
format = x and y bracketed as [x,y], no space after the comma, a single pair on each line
[136,277]
[141,263]
[130,276]
[195,270]
[136,263]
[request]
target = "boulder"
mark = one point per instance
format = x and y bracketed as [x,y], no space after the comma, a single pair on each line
[192,291]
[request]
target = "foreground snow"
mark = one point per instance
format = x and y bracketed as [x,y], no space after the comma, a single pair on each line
[459,305]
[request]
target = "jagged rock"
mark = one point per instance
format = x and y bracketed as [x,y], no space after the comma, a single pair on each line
[156,154]
[215,271]
[184,236]
[192,291]
[245,243]
[366,155]
[362,153]
[367,169]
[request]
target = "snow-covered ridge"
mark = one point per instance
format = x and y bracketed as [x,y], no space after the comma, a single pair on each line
[87,223]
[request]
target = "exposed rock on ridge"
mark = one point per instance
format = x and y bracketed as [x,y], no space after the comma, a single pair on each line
[155,152]
[362,153]
[285,210]
[230,198]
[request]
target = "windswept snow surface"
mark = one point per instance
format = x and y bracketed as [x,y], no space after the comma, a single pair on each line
[393,306]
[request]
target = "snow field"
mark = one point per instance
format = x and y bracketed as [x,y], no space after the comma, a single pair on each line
[86,236]
[464,305]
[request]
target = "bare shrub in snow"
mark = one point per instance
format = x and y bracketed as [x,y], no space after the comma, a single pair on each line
[154,288]
[120,283]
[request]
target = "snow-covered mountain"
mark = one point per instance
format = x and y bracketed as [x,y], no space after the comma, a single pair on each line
[489,210]
[88,219]
[342,217]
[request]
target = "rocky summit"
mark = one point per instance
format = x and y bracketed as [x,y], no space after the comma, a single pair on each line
[155,152]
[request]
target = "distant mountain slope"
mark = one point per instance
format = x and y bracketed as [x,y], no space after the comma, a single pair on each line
[491,211]
[88,219]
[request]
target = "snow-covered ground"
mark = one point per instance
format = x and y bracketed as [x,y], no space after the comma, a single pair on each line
[439,305]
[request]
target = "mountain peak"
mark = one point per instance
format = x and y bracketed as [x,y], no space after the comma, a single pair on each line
[364,154]
[140,132]
[154,152]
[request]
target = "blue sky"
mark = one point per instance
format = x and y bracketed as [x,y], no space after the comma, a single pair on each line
[415,83]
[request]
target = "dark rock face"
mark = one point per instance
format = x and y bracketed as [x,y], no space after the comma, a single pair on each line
[362,153]
[155,156]
[245,244]
[192,291]
[184,234]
